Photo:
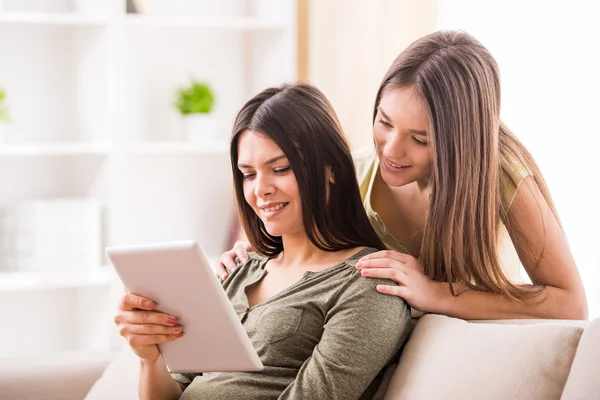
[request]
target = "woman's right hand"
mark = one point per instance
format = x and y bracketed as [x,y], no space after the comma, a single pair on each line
[227,262]
[144,328]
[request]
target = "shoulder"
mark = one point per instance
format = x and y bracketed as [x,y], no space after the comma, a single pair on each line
[257,258]
[364,163]
[357,298]
[255,261]
[358,284]
[244,269]
[363,158]
[512,173]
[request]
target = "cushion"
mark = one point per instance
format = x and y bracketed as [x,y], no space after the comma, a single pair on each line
[119,380]
[451,358]
[64,376]
[583,382]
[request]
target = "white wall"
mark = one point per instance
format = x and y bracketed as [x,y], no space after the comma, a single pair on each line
[548,57]
[351,45]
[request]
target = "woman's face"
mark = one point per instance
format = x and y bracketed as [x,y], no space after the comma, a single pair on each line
[402,138]
[269,184]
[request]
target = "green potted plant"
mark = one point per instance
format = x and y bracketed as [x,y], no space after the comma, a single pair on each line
[4,118]
[195,103]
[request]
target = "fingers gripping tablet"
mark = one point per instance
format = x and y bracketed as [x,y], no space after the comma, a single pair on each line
[178,277]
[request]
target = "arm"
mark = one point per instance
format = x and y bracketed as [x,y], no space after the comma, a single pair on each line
[543,250]
[156,381]
[363,331]
[144,328]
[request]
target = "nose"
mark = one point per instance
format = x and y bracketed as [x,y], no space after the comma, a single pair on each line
[263,186]
[393,146]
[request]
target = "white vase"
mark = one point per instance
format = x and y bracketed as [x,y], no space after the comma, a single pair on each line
[200,128]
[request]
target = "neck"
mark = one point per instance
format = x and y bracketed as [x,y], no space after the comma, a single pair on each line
[424,187]
[299,251]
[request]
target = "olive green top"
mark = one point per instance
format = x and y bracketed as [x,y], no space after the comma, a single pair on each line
[367,169]
[328,336]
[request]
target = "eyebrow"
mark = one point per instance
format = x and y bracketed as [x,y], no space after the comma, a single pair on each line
[269,161]
[415,131]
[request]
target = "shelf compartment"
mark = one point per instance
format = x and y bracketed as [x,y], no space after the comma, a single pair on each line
[150,88]
[56,80]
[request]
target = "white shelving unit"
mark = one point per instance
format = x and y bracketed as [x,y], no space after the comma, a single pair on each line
[91,90]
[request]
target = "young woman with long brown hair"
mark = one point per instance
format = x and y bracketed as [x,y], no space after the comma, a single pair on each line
[448,185]
[309,313]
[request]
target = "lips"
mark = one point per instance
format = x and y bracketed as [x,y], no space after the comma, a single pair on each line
[273,206]
[394,166]
[272,210]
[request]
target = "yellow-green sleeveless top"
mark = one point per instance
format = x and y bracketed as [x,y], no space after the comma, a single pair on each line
[367,168]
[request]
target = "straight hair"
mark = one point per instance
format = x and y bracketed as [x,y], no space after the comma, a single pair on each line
[459,81]
[302,122]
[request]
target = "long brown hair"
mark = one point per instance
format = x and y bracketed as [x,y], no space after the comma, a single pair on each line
[301,121]
[459,81]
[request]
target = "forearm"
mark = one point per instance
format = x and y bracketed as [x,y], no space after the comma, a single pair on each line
[156,381]
[551,303]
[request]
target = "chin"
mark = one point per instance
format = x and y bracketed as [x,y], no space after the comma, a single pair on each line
[395,181]
[274,230]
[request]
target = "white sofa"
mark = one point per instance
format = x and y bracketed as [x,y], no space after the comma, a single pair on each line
[444,358]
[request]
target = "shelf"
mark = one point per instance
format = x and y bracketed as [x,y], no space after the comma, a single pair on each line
[27,281]
[74,19]
[245,23]
[60,19]
[167,148]
[55,149]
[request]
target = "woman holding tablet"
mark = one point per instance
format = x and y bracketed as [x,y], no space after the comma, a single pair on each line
[321,330]
[454,195]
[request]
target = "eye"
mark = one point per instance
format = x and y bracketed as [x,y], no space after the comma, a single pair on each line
[419,142]
[385,123]
[283,170]
[248,176]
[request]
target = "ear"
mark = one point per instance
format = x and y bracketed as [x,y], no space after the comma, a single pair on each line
[329,174]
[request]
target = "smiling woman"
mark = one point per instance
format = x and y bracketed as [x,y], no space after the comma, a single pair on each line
[304,304]
[284,136]
[447,186]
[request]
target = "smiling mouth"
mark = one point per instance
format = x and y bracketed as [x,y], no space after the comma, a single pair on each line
[276,207]
[396,166]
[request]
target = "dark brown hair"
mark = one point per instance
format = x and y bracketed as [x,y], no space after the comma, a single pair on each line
[301,121]
[459,81]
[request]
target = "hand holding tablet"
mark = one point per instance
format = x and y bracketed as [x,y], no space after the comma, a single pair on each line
[178,278]
[144,328]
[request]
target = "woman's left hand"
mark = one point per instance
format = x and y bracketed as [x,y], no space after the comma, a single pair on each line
[420,292]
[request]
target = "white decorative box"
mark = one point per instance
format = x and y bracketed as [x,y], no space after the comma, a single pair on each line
[58,237]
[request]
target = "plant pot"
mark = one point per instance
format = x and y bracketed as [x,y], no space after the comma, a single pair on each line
[200,128]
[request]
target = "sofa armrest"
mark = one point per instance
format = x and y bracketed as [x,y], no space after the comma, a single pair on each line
[65,376]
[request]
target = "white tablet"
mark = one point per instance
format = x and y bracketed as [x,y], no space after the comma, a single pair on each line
[178,277]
